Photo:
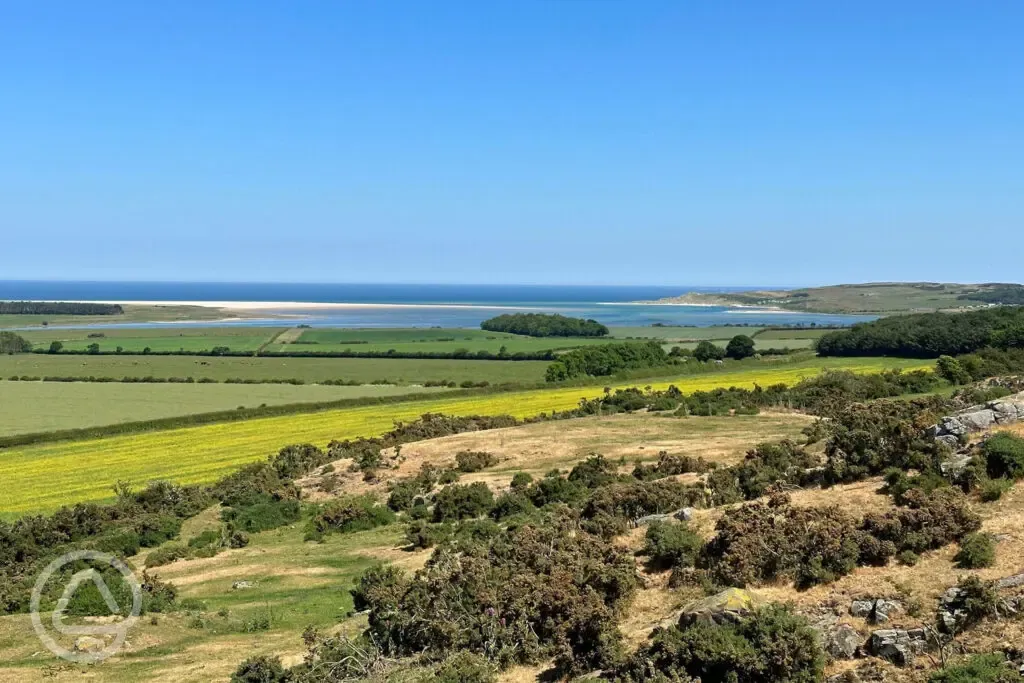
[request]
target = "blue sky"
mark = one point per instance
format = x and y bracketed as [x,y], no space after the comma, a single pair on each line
[569,141]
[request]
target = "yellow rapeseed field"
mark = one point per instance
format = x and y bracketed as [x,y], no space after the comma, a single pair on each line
[43,477]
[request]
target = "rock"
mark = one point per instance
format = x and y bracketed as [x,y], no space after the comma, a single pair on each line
[898,646]
[242,585]
[950,440]
[89,644]
[844,642]
[1011,581]
[727,607]
[1002,538]
[953,426]
[876,611]
[978,420]
[684,515]
[956,463]
[1004,411]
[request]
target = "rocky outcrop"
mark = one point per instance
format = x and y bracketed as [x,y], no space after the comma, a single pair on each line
[843,642]
[898,646]
[875,610]
[978,418]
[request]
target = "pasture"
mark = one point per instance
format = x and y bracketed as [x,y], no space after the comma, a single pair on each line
[159,339]
[425,340]
[45,476]
[219,368]
[27,407]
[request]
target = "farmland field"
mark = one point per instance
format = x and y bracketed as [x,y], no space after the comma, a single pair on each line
[42,477]
[157,339]
[427,340]
[27,407]
[363,370]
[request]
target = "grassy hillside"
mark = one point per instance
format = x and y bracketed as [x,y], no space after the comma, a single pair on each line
[875,297]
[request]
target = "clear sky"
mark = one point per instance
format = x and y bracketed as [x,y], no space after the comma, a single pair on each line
[567,141]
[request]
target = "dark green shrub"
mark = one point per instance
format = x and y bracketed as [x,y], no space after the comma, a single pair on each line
[463,501]
[520,481]
[991,490]
[671,545]
[594,472]
[262,516]
[511,504]
[465,667]
[975,600]
[976,552]
[1004,456]
[348,514]
[379,585]
[260,669]
[474,461]
[987,668]
[772,645]
[167,554]
[908,558]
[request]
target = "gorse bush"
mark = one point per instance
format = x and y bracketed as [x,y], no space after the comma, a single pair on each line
[976,552]
[772,645]
[1004,456]
[474,461]
[347,514]
[671,544]
[523,595]
[463,501]
[985,668]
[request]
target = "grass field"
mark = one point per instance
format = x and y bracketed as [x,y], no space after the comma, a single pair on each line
[132,314]
[427,340]
[396,370]
[157,339]
[45,476]
[27,407]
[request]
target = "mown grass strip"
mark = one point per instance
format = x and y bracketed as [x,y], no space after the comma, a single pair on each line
[43,477]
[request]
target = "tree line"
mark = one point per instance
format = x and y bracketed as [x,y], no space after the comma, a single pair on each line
[58,308]
[929,335]
[544,325]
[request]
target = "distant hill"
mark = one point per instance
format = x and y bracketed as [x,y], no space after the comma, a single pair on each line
[873,297]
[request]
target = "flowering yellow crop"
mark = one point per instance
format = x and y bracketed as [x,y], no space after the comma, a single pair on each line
[43,477]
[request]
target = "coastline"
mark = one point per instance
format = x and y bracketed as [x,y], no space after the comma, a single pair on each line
[246,306]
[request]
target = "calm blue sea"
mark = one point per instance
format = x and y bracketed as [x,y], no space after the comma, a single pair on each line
[429,305]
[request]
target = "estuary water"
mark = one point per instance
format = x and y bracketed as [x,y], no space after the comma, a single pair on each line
[383,305]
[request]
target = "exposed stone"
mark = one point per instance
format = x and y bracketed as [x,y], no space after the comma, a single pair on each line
[844,642]
[876,611]
[862,608]
[727,607]
[242,585]
[949,440]
[956,463]
[952,425]
[898,646]
[684,515]
[1011,581]
[1004,411]
[978,420]
[89,644]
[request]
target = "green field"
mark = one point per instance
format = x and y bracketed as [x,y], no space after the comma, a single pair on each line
[363,370]
[134,340]
[427,340]
[43,476]
[668,333]
[27,407]
[132,314]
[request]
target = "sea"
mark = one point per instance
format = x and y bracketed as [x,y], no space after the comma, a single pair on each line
[437,305]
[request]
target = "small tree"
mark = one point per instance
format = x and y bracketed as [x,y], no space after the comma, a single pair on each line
[55,347]
[741,346]
[707,351]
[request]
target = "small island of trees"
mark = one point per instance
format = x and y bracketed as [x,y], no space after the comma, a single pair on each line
[58,308]
[544,325]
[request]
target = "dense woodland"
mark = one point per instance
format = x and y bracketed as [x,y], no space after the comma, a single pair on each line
[606,359]
[58,308]
[544,325]
[1011,295]
[929,335]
